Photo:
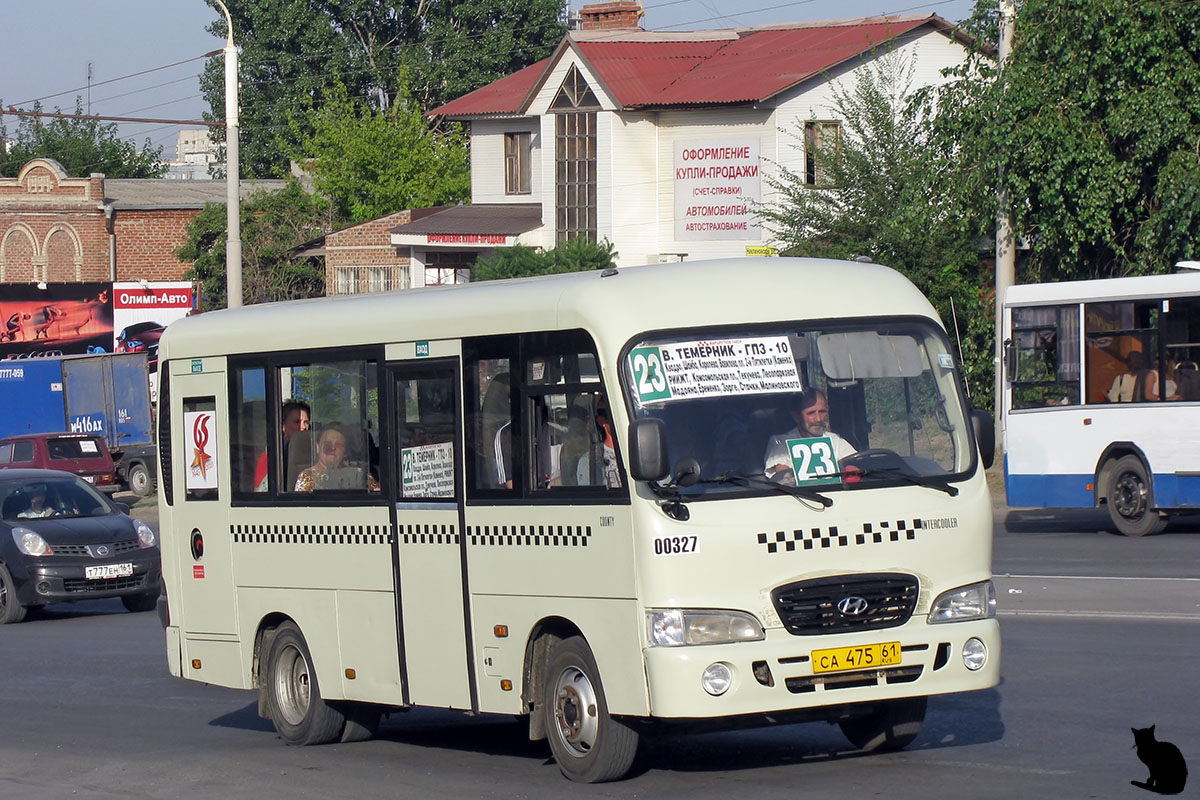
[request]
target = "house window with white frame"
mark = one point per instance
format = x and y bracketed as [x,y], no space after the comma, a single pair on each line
[517,157]
[446,268]
[821,139]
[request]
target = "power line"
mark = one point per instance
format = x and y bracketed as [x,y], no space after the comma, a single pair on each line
[122,78]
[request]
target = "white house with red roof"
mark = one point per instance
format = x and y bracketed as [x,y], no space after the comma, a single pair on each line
[660,142]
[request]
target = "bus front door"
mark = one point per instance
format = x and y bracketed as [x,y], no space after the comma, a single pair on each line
[430,552]
[203,604]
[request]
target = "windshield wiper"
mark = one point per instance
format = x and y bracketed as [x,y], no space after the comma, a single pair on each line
[896,472]
[799,492]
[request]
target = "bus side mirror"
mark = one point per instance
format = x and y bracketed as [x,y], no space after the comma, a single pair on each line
[648,449]
[985,435]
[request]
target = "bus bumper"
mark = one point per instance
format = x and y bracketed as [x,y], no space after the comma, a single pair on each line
[776,675]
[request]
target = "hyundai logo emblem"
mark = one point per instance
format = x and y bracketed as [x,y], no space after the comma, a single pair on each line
[852,606]
[102,550]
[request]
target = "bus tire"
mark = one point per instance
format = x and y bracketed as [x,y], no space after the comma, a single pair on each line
[293,694]
[588,744]
[1130,496]
[890,725]
[362,721]
[11,609]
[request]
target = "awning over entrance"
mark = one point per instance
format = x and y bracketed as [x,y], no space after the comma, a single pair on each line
[481,225]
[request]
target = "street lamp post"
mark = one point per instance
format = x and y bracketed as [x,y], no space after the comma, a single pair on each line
[233,216]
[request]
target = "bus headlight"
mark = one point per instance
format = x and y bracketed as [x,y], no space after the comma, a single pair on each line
[673,627]
[977,601]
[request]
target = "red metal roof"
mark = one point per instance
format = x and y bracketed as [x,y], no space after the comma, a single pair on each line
[746,66]
[505,96]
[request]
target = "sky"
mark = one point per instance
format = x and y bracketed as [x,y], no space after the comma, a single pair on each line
[50,43]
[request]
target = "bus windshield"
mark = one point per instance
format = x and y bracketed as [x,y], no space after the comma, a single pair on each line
[835,406]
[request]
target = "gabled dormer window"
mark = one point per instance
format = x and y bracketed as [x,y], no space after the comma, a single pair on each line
[574,94]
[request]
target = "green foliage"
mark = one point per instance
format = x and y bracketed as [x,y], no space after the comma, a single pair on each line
[293,51]
[371,163]
[576,255]
[82,146]
[1093,132]
[273,224]
[888,197]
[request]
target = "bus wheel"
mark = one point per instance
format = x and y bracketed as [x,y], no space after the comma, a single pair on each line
[890,725]
[1131,499]
[293,696]
[588,744]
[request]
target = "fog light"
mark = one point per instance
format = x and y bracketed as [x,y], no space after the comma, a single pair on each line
[717,679]
[974,654]
[43,587]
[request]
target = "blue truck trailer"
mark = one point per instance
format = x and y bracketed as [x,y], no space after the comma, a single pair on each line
[106,394]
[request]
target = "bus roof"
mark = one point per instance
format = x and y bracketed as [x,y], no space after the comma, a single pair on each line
[614,306]
[1135,288]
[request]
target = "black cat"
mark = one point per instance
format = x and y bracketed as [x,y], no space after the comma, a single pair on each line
[1168,772]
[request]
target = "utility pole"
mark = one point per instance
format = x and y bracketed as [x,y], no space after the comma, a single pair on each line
[1005,243]
[233,212]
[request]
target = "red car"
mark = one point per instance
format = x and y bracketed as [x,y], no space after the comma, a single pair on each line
[141,337]
[83,454]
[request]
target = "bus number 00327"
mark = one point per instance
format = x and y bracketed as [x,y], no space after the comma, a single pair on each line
[671,545]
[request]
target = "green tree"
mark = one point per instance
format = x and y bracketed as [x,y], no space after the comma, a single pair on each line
[1092,130]
[577,255]
[273,224]
[293,51]
[884,195]
[370,163]
[82,146]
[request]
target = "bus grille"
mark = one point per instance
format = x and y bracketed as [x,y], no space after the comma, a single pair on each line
[810,608]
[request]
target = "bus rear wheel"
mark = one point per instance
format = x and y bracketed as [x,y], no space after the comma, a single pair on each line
[1131,499]
[293,695]
[889,725]
[588,744]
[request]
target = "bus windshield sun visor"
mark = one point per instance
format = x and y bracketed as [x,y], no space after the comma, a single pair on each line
[866,354]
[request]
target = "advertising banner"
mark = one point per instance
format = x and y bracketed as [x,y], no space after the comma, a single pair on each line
[716,185]
[61,319]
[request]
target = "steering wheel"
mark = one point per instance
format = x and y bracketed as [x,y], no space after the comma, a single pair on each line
[876,458]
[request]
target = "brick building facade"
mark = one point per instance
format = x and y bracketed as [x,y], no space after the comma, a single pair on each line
[60,229]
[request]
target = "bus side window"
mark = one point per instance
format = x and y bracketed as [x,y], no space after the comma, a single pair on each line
[339,453]
[490,424]
[248,450]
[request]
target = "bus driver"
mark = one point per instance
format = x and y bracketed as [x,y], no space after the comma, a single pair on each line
[810,410]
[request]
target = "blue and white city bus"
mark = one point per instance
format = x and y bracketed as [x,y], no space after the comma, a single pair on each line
[1101,389]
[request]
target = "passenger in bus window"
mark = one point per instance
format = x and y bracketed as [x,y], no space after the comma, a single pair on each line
[1152,384]
[297,416]
[1130,385]
[330,472]
[810,411]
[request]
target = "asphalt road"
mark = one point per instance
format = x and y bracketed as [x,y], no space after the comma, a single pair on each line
[90,712]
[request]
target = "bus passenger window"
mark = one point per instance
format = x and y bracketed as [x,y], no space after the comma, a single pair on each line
[490,423]
[575,443]
[341,451]
[248,448]
[1046,350]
